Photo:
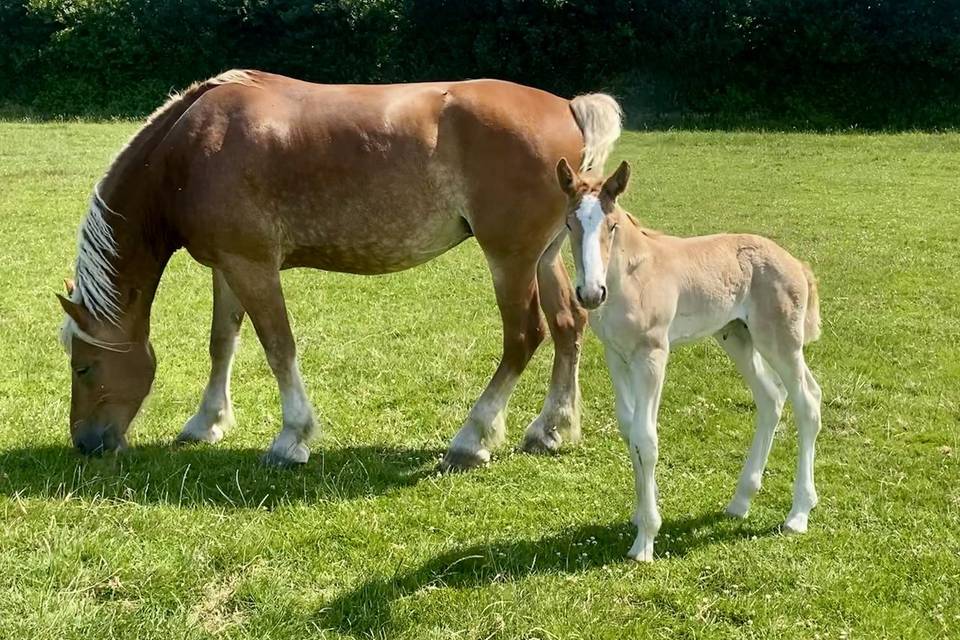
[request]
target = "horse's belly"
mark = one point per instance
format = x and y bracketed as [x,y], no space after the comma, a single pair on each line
[374,234]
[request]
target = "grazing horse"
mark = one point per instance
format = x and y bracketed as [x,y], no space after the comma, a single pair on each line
[253,173]
[759,302]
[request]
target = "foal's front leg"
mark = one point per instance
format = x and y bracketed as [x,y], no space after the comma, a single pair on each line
[214,416]
[647,370]
[258,289]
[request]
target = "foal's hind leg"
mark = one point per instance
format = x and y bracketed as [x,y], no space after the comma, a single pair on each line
[215,414]
[560,418]
[485,427]
[786,357]
[769,398]
[257,287]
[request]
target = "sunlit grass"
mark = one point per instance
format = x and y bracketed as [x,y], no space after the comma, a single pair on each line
[367,541]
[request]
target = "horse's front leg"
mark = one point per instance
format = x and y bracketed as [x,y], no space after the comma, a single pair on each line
[485,427]
[258,289]
[647,371]
[559,420]
[214,416]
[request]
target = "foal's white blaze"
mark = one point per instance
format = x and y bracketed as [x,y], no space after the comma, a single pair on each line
[591,273]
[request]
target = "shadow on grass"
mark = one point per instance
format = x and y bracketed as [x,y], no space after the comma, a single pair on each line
[365,611]
[210,475]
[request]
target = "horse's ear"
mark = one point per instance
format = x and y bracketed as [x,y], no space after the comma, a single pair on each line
[617,183]
[69,285]
[567,177]
[76,311]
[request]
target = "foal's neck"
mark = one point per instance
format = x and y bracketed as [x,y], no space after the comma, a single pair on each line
[630,248]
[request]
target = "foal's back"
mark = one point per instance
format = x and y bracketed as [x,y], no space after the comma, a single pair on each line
[716,279]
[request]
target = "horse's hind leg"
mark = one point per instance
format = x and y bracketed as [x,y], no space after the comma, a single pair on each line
[769,398]
[257,287]
[215,413]
[560,418]
[786,357]
[515,285]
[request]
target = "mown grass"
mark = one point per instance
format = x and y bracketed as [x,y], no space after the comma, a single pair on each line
[366,541]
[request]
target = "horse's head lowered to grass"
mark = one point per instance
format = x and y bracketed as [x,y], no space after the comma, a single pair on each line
[112,370]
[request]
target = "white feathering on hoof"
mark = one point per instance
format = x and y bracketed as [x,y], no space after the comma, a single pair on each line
[600,119]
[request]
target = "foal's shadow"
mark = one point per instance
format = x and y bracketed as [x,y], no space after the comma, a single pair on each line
[365,611]
[204,475]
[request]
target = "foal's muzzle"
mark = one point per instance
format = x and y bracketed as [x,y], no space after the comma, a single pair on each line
[95,441]
[591,297]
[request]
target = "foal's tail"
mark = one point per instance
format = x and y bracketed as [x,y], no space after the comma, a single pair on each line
[811,322]
[599,118]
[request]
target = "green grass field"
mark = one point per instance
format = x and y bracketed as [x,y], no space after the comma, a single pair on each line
[367,541]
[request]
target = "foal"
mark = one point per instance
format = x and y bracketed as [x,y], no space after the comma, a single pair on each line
[759,302]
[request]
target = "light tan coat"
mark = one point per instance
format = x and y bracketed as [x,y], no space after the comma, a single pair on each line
[648,291]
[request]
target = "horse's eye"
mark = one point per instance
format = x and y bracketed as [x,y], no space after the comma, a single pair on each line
[568,226]
[613,228]
[82,371]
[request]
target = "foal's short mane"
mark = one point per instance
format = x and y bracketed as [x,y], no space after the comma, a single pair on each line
[97,247]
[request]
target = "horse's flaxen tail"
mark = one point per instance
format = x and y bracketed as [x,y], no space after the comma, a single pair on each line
[599,118]
[811,322]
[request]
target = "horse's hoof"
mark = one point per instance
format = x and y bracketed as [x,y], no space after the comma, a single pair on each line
[641,551]
[547,443]
[460,460]
[795,524]
[210,436]
[200,429]
[286,458]
[737,509]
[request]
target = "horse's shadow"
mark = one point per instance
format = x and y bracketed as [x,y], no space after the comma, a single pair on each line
[365,611]
[204,475]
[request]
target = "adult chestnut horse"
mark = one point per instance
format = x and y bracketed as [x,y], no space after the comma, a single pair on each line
[253,173]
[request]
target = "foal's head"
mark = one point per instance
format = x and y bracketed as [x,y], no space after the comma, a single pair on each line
[592,217]
[111,376]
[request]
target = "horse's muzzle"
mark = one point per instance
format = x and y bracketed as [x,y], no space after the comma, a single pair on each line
[591,297]
[95,441]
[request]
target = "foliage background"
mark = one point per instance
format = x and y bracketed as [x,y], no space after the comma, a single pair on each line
[812,64]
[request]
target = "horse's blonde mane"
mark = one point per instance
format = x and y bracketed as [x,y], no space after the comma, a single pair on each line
[95,289]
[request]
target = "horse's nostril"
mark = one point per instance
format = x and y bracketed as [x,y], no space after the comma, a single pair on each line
[579,299]
[603,293]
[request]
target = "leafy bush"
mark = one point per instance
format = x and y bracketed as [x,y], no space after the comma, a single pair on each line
[805,63]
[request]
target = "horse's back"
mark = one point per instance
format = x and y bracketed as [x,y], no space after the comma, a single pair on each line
[367,178]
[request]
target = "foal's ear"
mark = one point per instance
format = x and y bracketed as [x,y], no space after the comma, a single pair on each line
[567,177]
[617,183]
[69,285]
[76,311]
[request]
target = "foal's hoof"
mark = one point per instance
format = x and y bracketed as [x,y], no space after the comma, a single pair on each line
[461,460]
[737,509]
[287,457]
[547,442]
[796,524]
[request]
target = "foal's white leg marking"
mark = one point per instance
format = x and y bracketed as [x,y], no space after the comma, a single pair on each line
[805,398]
[298,421]
[624,402]
[769,399]
[805,395]
[591,274]
[648,371]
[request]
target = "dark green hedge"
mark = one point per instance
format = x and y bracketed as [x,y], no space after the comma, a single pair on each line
[807,63]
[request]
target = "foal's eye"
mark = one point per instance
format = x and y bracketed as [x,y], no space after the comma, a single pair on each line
[613,227]
[568,226]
